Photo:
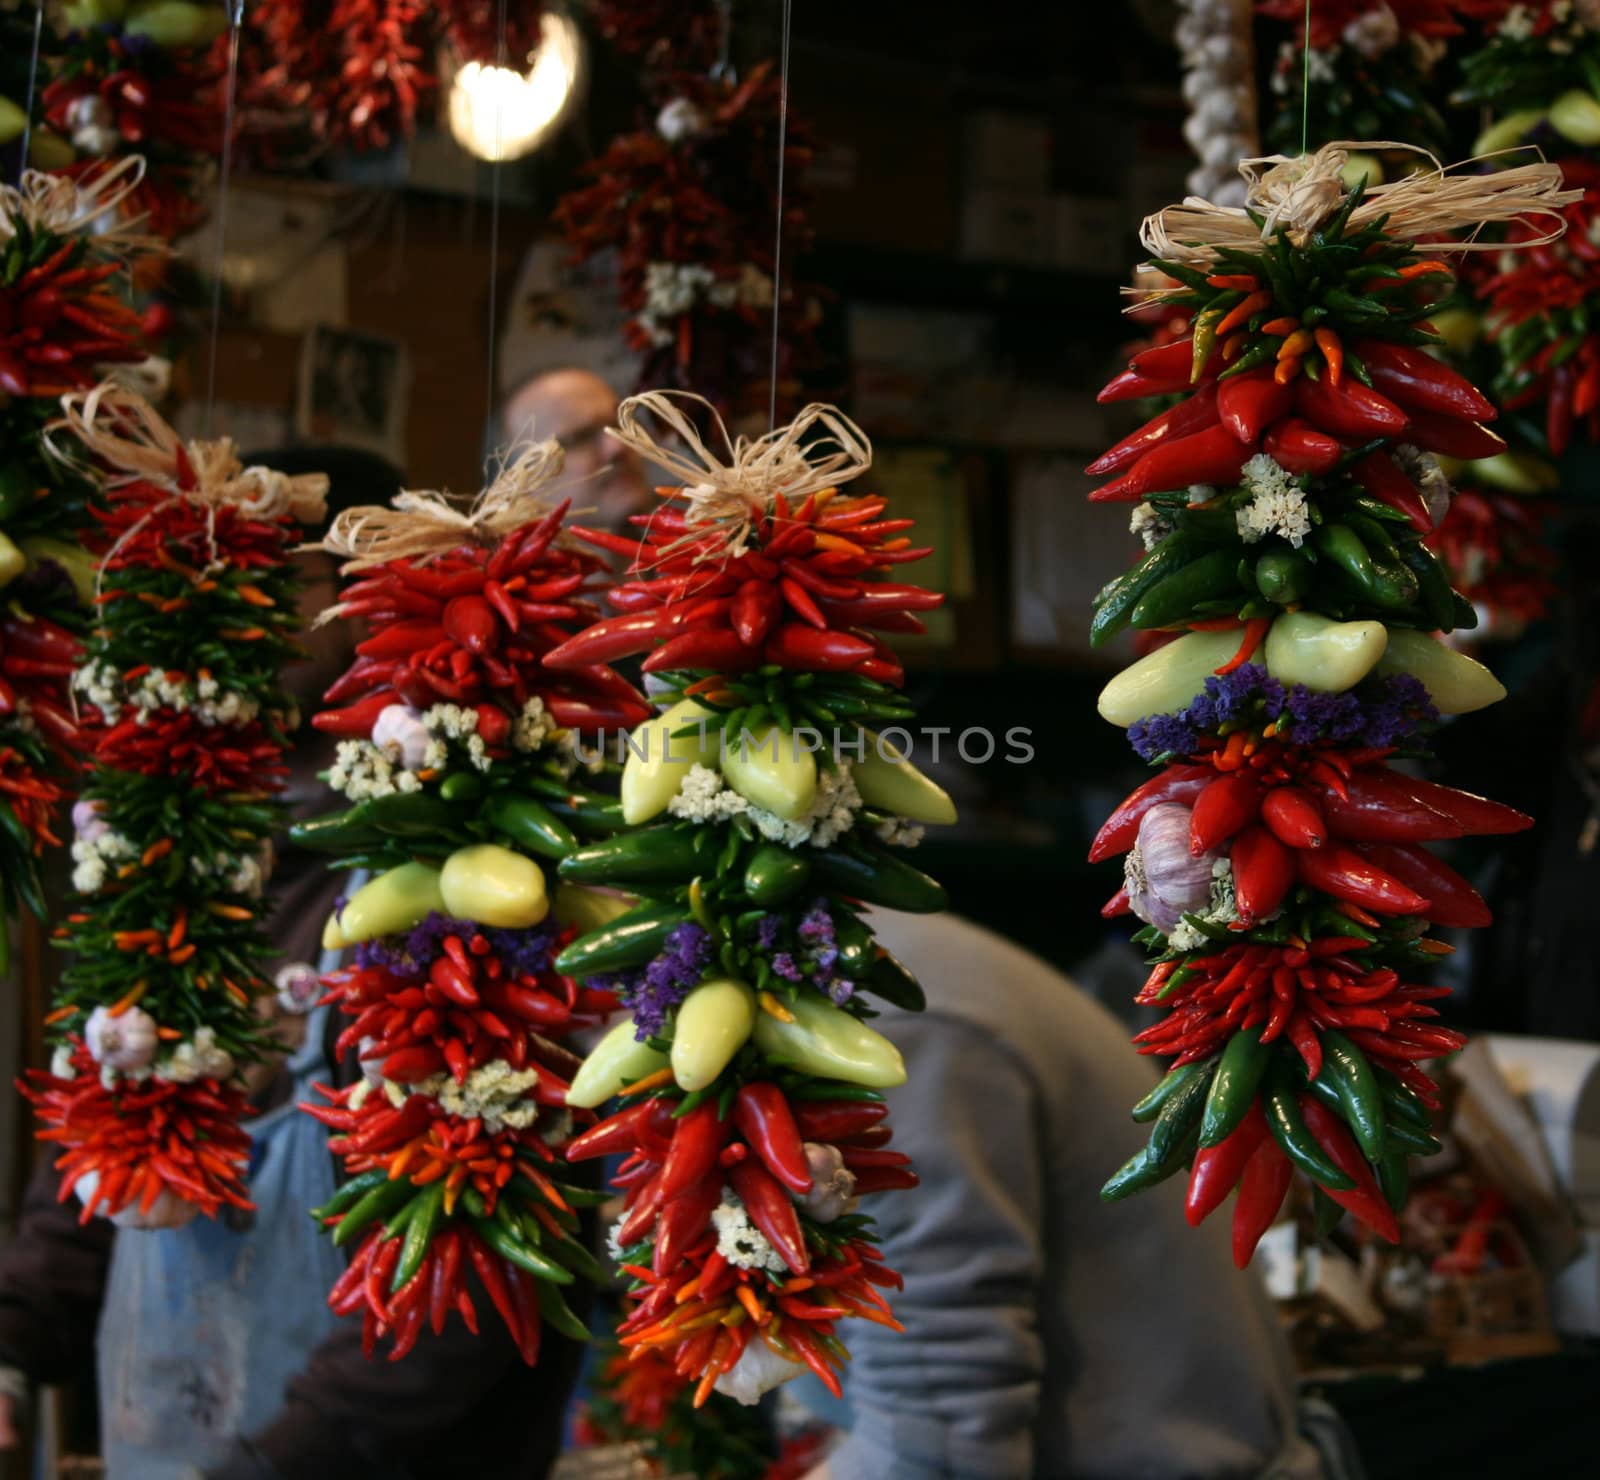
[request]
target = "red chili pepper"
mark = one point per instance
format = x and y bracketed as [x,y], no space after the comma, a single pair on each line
[696,1139]
[884,1179]
[1417,381]
[409,1064]
[1348,409]
[1263,874]
[471,622]
[491,1272]
[1217,1169]
[831,1120]
[1261,1189]
[763,1117]
[401,640]
[1214,456]
[617,1133]
[1178,783]
[1132,386]
[755,607]
[1380,806]
[355,721]
[794,645]
[1451,900]
[614,637]
[1452,437]
[1249,404]
[642,1210]
[1224,806]
[1292,814]
[525,1295]
[446,1253]
[1476,816]
[1192,414]
[1365,1201]
[1347,875]
[1299,447]
[1162,361]
[684,1219]
[719,649]
[772,1212]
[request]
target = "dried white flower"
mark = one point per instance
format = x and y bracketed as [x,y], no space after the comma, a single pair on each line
[1277,504]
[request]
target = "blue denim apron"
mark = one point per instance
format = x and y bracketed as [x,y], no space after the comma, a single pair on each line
[202,1326]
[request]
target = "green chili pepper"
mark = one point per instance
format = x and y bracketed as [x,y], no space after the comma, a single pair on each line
[1284,576]
[351,1193]
[420,1234]
[889,979]
[373,1205]
[1289,1129]
[629,940]
[1403,1101]
[413,814]
[497,1233]
[774,874]
[1143,1169]
[1116,602]
[1150,1106]
[879,878]
[554,1309]
[1433,585]
[651,855]
[1239,1072]
[339,832]
[1407,1137]
[1179,1115]
[1394,1177]
[461,786]
[530,825]
[1358,1089]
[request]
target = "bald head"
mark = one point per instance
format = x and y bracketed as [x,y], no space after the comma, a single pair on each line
[575,407]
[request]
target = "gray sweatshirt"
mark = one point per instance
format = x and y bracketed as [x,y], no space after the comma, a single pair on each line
[1047,1333]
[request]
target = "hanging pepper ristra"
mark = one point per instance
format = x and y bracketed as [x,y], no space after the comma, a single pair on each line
[1277,861]
[758,594]
[185,727]
[459,768]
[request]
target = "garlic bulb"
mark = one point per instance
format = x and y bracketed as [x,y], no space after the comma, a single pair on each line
[1165,881]
[399,732]
[833,1184]
[125,1042]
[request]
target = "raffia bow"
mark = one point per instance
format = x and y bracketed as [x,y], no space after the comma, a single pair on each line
[1299,194]
[129,439]
[71,205]
[736,493]
[422,525]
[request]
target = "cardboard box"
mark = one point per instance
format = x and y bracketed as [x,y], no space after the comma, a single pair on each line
[1010,150]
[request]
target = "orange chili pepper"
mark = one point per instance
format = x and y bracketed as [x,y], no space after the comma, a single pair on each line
[60,1015]
[128,999]
[1232,346]
[1296,345]
[255,596]
[181,924]
[1286,371]
[1332,352]
[648,1083]
[1238,282]
[1243,311]
[747,1298]
[1255,631]
[155,852]
[1422,269]
[1285,325]
[229,911]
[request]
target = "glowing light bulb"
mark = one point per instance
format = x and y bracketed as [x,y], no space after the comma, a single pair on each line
[498,113]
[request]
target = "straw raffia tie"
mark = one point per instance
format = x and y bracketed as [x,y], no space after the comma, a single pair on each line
[1299,194]
[422,525]
[131,443]
[736,493]
[74,205]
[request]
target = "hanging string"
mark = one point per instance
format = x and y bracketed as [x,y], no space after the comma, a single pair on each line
[1305,84]
[33,82]
[500,55]
[777,250]
[224,182]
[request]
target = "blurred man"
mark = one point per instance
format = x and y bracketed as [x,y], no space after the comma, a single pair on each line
[1047,1333]
[575,407]
[216,1352]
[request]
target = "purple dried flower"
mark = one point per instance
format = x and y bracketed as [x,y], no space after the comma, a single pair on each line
[841,991]
[817,926]
[767,931]
[1160,735]
[666,980]
[784,965]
